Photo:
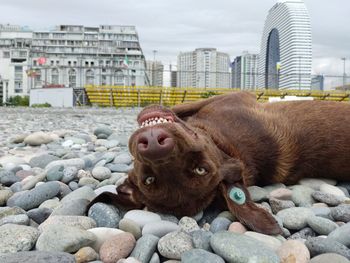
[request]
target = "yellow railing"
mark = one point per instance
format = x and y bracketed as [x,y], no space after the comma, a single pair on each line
[120,96]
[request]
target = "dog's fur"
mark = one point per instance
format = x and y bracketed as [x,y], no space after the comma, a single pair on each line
[239,142]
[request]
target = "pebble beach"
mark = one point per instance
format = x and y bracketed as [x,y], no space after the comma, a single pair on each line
[53,162]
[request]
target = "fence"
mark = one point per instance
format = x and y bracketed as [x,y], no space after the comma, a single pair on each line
[124,96]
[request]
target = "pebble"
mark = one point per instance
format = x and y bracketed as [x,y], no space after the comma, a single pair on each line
[341,234]
[319,245]
[105,215]
[117,247]
[64,238]
[75,207]
[118,167]
[234,247]
[76,162]
[302,196]
[85,254]
[305,233]
[130,226]
[42,160]
[4,196]
[79,222]
[15,238]
[331,189]
[39,215]
[219,224]
[282,194]
[295,218]
[172,245]
[315,183]
[322,212]
[7,178]
[155,258]
[320,225]
[145,247]
[228,215]
[142,217]
[188,224]
[102,234]
[69,174]
[38,257]
[270,241]
[86,181]
[201,239]
[106,188]
[329,258]
[37,138]
[237,227]
[84,192]
[278,205]
[123,158]
[341,213]
[103,130]
[159,228]
[258,194]
[294,251]
[55,173]
[327,198]
[200,255]
[33,198]
[15,219]
[101,173]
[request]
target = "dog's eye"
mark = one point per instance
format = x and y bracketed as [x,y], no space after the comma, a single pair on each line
[200,171]
[149,180]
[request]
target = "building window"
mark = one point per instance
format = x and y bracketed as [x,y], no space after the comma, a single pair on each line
[37,79]
[19,73]
[89,77]
[6,54]
[118,77]
[18,86]
[72,78]
[54,76]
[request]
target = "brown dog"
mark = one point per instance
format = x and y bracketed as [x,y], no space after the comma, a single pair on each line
[209,151]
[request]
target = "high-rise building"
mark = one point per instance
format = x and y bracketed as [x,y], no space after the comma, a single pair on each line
[173,76]
[155,71]
[203,68]
[317,83]
[245,71]
[286,47]
[70,56]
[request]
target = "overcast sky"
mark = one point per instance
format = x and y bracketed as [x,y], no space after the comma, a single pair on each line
[171,26]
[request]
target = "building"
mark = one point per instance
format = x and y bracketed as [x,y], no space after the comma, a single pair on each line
[203,68]
[70,56]
[155,71]
[286,47]
[245,71]
[317,83]
[173,77]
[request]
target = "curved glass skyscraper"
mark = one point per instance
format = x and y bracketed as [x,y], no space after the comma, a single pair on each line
[286,47]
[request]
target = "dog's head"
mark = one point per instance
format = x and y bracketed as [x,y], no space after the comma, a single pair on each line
[179,169]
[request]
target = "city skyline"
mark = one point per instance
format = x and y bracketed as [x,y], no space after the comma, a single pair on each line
[171,27]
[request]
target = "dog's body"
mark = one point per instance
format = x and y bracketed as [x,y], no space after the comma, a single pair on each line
[205,149]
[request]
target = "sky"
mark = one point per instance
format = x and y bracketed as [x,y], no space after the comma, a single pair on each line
[172,26]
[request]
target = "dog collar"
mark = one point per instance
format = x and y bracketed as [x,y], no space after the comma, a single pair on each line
[237,195]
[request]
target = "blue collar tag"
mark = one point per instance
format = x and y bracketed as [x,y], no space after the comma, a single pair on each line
[237,195]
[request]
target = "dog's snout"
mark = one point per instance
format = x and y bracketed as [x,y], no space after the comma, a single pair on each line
[155,143]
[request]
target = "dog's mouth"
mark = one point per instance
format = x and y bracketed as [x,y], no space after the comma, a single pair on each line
[154,118]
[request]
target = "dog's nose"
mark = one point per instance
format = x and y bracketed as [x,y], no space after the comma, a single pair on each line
[155,143]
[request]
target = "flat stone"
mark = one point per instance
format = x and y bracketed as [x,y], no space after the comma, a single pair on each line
[293,251]
[75,207]
[295,218]
[79,222]
[270,241]
[201,239]
[38,138]
[219,224]
[102,234]
[38,257]
[315,183]
[103,129]
[101,173]
[188,224]
[84,192]
[39,215]
[42,160]
[105,215]
[258,194]
[174,244]
[33,198]
[16,238]
[329,199]
[341,213]
[278,205]
[64,238]
[320,225]
[15,219]
[159,228]
[85,254]
[238,248]
[200,255]
[117,247]
[319,245]
[329,258]
[331,189]
[302,196]
[142,217]
[341,234]
[145,247]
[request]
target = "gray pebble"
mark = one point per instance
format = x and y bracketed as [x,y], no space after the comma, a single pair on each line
[305,233]
[75,207]
[39,215]
[145,247]
[201,239]
[174,244]
[105,215]
[319,245]
[278,205]
[200,255]
[341,234]
[257,193]
[38,257]
[219,224]
[320,225]
[69,174]
[341,213]
[327,198]
[302,196]
[55,173]
[22,219]
[295,218]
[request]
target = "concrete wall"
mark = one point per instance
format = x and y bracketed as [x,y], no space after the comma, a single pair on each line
[57,97]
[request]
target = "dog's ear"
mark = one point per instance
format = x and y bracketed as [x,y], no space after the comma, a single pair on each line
[238,201]
[126,197]
[188,109]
